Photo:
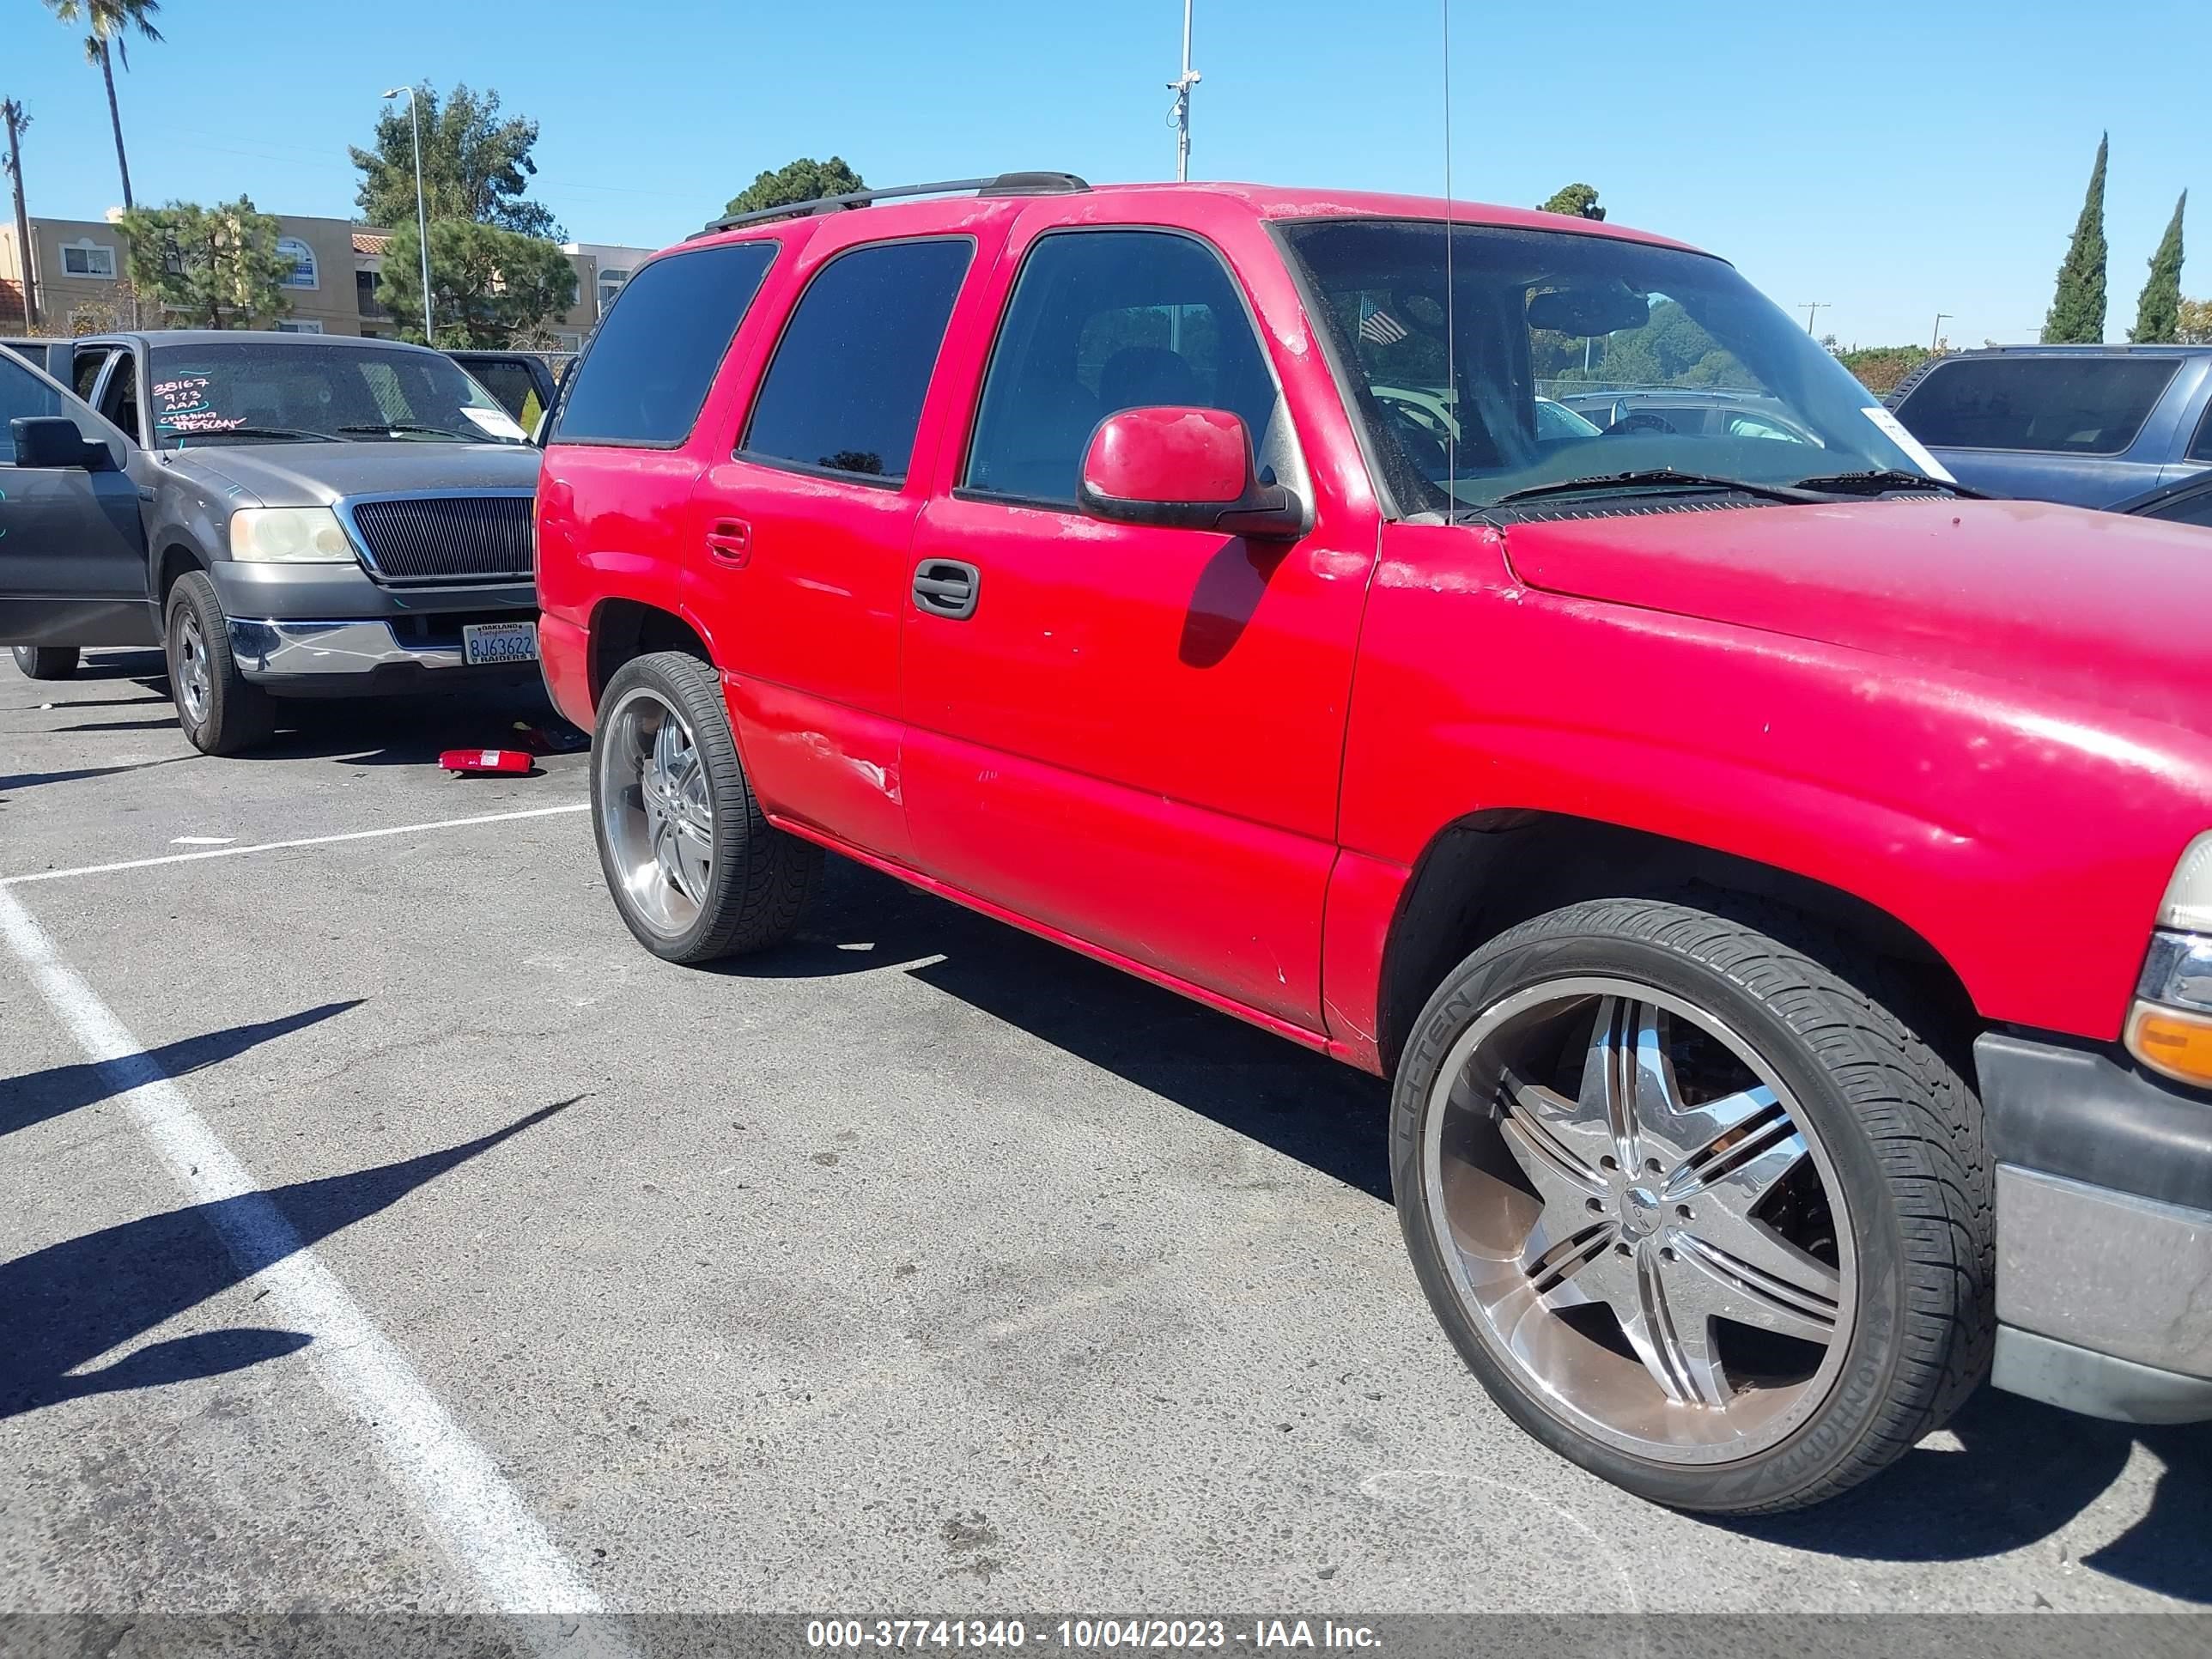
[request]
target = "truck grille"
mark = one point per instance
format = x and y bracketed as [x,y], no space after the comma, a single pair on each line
[444,539]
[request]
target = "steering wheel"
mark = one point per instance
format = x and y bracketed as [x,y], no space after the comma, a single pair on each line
[1642,420]
[1422,430]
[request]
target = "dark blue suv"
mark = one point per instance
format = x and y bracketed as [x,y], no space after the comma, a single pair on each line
[2091,425]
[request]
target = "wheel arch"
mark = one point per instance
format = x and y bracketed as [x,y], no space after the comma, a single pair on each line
[177,557]
[1491,869]
[622,628]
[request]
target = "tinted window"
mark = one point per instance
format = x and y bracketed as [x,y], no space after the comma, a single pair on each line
[656,352]
[846,388]
[85,370]
[2199,446]
[2081,405]
[22,395]
[1102,321]
[513,385]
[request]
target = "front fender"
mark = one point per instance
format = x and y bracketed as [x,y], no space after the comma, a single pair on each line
[2027,840]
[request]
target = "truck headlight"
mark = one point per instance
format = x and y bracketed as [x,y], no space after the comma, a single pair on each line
[2170,1027]
[288,535]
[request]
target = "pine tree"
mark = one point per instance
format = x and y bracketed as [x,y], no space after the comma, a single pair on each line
[2158,313]
[2077,309]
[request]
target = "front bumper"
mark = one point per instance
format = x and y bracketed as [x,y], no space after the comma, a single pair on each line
[2103,1231]
[314,593]
[361,658]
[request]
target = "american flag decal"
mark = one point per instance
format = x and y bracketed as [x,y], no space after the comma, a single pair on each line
[1381,328]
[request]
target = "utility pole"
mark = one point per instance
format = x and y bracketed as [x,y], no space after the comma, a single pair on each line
[1813,308]
[421,214]
[1179,116]
[13,113]
[1935,339]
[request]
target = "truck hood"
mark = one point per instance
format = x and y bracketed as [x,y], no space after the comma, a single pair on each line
[315,475]
[2107,610]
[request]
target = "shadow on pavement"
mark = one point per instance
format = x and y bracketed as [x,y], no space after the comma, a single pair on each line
[414,731]
[1327,1115]
[166,722]
[2022,1471]
[67,1304]
[36,1096]
[22,781]
[148,666]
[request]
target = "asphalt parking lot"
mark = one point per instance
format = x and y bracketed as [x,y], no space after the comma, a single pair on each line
[469,1253]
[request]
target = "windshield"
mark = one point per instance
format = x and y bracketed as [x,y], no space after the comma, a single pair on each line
[263,392]
[1667,360]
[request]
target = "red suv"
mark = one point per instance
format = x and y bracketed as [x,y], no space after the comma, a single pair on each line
[1779,881]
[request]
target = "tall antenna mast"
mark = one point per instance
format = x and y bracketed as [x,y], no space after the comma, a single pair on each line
[1451,320]
[1179,116]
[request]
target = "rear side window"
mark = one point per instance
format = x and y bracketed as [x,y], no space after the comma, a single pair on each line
[656,352]
[1101,321]
[845,391]
[513,385]
[2077,406]
[2200,447]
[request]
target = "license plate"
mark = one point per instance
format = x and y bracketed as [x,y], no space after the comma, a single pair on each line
[486,643]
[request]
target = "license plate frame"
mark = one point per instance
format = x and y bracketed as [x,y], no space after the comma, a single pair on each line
[481,643]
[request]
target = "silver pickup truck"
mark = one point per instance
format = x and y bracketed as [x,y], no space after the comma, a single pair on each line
[288,515]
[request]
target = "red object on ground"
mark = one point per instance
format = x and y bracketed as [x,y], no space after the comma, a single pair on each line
[460,760]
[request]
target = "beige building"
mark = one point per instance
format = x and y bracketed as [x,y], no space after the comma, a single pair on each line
[78,268]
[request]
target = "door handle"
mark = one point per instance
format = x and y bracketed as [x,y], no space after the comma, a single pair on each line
[731,541]
[946,587]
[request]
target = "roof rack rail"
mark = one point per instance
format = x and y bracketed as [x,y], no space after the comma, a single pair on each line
[1004,184]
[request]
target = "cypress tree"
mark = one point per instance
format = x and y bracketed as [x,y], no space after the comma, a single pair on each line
[2158,313]
[2077,309]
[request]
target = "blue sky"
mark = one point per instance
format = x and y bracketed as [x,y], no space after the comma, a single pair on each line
[1892,160]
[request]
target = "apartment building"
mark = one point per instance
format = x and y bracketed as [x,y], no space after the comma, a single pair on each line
[77,269]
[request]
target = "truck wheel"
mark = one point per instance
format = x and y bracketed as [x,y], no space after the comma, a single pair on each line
[1702,1214]
[47,662]
[696,868]
[219,711]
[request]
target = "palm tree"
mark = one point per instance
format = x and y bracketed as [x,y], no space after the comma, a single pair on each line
[107,21]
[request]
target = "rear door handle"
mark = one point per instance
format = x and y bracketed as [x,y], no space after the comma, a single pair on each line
[946,587]
[731,541]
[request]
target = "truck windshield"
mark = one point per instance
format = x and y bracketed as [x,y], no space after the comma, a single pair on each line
[1672,362]
[263,392]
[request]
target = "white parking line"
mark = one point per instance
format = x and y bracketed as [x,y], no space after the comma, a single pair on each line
[482,1522]
[305,840]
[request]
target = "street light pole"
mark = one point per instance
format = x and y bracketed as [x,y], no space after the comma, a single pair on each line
[1813,308]
[1180,115]
[421,214]
[1935,338]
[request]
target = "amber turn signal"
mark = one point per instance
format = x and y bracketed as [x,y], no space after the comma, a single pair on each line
[2172,1043]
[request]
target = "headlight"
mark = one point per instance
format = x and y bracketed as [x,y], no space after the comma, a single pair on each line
[288,535]
[2188,904]
[2170,1027]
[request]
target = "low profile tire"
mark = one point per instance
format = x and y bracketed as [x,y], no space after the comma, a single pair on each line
[220,712]
[696,868]
[1700,1211]
[47,662]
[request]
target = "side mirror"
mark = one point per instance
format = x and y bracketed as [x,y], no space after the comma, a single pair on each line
[1185,468]
[54,441]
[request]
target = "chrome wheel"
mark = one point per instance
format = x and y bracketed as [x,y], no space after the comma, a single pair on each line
[193,681]
[1640,1219]
[659,817]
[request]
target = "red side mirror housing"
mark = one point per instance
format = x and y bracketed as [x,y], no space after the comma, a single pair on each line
[1183,468]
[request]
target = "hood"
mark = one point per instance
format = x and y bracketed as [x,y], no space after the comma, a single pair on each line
[2107,610]
[315,475]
